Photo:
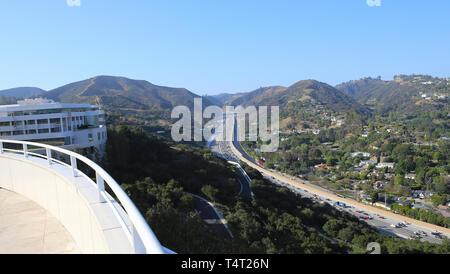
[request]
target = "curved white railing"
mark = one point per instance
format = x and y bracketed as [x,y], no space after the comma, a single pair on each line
[141,237]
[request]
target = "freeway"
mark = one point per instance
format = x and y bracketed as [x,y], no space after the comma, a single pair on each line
[385,221]
[222,149]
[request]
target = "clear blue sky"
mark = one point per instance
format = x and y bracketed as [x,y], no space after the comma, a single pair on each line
[214,46]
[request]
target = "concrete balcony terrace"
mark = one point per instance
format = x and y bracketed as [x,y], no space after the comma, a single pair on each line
[48,205]
[27,228]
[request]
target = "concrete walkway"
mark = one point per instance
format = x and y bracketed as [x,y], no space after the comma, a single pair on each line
[27,228]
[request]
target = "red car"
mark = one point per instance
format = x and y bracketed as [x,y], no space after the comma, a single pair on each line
[358,211]
[368,218]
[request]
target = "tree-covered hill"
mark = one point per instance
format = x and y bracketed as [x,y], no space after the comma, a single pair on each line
[254,97]
[402,95]
[311,91]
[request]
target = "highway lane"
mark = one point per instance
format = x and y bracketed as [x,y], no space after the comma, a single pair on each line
[303,187]
[222,149]
[382,223]
[245,186]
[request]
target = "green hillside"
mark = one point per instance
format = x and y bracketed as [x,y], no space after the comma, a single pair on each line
[307,91]
[255,97]
[402,95]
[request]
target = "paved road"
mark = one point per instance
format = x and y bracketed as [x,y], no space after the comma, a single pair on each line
[381,219]
[222,149]
[211,216]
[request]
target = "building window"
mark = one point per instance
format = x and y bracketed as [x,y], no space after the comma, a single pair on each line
[18,132]
[98,136]
[44,130]
[5,124]
[55,121]
[42,121]
[30,122]
[90,138]
[31,131]
[17,123]
[7,133]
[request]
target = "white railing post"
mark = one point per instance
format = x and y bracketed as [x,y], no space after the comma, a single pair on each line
[1,147]
[25,150]
[49,156]
[73,163]
[100,187]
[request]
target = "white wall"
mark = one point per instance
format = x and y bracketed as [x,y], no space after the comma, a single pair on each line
[71,201]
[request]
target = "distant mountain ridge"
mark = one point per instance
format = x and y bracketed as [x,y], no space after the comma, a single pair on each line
[255,97]
[122,93]
[405,94]
[222,98]
[302,91]
[22,92]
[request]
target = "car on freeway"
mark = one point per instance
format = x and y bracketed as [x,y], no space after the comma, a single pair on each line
[381,217]
[358,211]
